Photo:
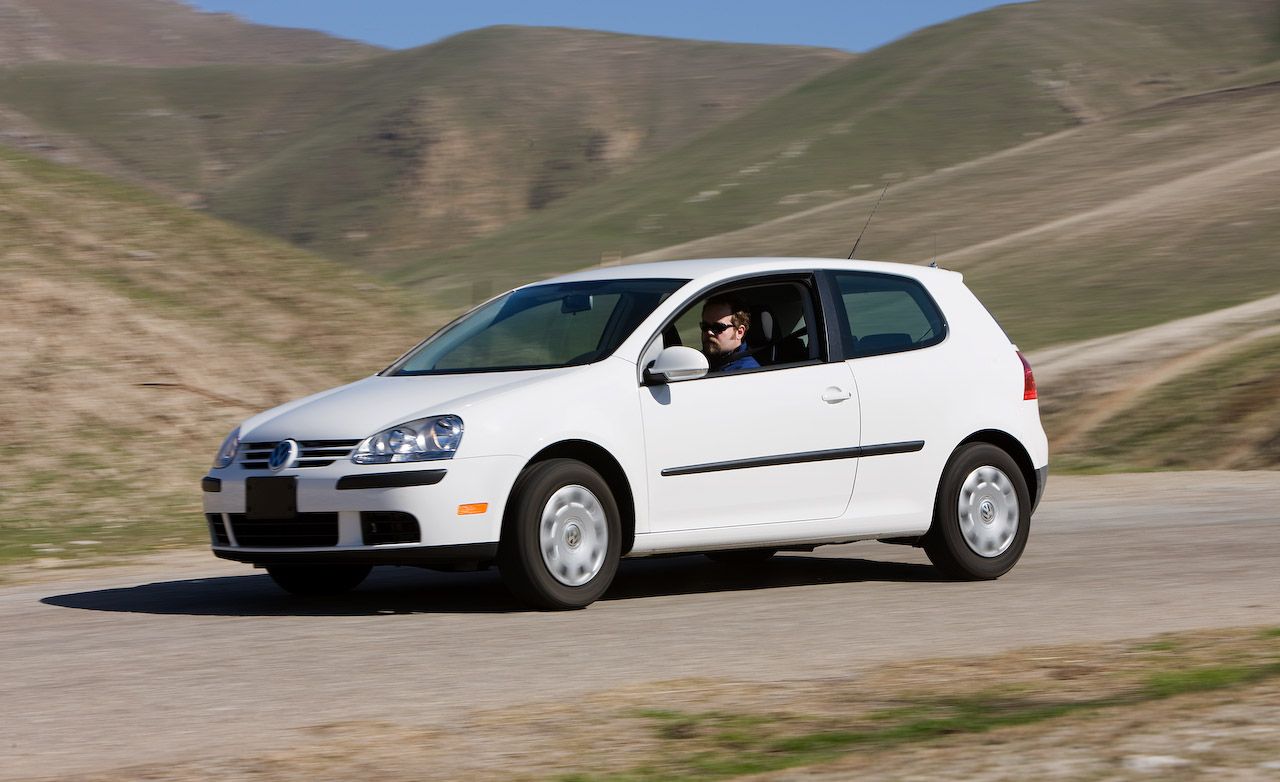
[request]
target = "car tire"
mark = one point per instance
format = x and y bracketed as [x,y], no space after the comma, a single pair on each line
[742,558]
[318,580]
[562,536]
[982,515]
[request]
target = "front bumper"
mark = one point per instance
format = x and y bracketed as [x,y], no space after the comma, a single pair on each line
[339,507]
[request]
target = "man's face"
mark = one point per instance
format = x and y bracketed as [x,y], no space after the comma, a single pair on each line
[728,339]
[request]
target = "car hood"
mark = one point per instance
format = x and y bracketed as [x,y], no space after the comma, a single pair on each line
[365,407]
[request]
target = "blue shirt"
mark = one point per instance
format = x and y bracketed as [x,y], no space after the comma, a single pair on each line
[739,359]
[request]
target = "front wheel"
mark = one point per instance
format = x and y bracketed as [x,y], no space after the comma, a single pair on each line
[982,517]
[562,538]
[318,580]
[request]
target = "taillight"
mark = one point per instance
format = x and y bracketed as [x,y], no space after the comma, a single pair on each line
[1028,378]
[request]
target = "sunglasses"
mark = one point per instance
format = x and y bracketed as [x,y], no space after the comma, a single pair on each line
[714,328]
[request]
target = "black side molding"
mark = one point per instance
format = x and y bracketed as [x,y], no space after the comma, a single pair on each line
[798,458]
[392,480]
[211,485]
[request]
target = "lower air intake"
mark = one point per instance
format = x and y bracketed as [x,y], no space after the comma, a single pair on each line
[389,527]
[217,530]
[304,530]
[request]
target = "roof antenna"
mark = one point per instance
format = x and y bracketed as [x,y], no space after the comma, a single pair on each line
[934,263]
[864,228]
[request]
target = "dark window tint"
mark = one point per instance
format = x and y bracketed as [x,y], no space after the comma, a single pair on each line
[886,314]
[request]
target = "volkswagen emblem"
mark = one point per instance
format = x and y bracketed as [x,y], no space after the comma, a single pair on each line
[284,455]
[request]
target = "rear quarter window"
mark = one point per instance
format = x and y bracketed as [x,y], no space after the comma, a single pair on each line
[881,313]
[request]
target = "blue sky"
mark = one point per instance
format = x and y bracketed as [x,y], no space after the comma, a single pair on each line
[856,25]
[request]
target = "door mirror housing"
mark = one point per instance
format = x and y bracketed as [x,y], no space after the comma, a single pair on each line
[677,363]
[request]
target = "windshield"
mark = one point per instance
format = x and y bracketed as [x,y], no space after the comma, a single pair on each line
[540,327]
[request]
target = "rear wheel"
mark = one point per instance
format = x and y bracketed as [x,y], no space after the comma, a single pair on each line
[982,517]
[562,538]
[318,580]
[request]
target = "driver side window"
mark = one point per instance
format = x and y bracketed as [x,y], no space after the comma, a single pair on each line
[748,327]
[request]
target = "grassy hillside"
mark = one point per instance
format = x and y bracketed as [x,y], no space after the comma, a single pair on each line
[154,32]
[1193,392]
[936,99]
[1224,412]
[1143,221]
[136,334]
[1092,167]
[387,157]
[1154,215]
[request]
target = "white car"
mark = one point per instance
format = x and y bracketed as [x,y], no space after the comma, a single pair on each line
[569,423]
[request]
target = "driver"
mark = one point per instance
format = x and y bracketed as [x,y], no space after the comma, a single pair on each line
[725,321]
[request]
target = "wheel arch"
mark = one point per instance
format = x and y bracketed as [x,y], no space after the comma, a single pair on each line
[603,462]
[1010,445]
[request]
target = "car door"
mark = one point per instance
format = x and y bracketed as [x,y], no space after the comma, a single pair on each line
[896,342]
[760,446]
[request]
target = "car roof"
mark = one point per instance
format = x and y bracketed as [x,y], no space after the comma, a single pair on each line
[712,269]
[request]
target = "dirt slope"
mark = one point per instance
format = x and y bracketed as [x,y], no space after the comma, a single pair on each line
[133,336]
[1199,392]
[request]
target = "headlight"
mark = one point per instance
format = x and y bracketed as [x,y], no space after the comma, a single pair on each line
[227,453]
[415,441]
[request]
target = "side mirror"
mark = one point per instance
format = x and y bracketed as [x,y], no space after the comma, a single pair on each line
[675,364]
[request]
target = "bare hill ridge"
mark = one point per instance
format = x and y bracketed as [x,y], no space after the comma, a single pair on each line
[154,33]
[939,98]
[406,152]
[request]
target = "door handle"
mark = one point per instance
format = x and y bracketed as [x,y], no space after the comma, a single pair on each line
[835,394]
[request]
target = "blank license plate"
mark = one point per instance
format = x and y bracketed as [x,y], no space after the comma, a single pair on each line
[271,498]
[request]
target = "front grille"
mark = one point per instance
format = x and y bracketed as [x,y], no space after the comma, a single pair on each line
[385,526]
[217,530]
[306,529]
[312,453]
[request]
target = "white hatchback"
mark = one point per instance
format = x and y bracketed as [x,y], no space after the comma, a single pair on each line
[733,407]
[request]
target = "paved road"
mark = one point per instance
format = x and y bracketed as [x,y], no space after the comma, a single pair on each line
[186,656]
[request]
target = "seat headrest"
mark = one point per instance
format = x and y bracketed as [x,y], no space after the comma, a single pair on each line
[762,335]
[762,321]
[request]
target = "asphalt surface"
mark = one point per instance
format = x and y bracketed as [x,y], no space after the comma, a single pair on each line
[185,657]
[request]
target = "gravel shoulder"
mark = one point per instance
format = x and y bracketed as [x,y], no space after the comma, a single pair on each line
[1183,706]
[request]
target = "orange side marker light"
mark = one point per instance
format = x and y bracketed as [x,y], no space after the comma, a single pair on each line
[472,509]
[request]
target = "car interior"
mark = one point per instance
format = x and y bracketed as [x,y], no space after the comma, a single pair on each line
[779,331]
